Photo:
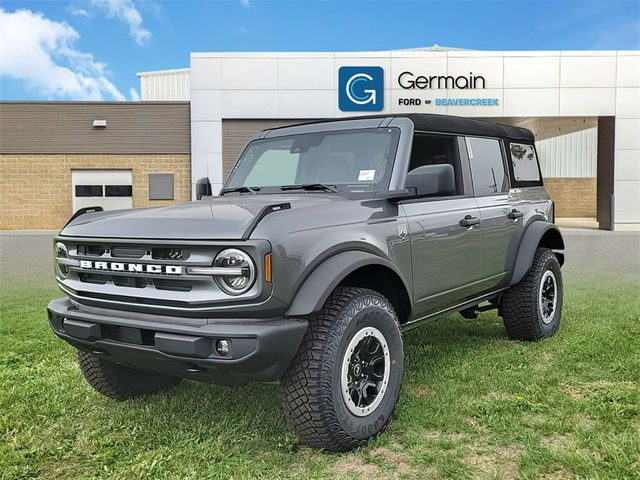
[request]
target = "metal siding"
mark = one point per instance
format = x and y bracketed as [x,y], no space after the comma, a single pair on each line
[132,127]
[573,155]
[171,85]
[237,133]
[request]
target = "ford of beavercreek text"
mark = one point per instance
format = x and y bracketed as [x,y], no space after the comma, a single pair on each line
[329,242]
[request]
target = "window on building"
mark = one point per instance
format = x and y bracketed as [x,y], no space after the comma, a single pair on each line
[525,163]
[118,191]
[487,167]
[88,190]
[161,186]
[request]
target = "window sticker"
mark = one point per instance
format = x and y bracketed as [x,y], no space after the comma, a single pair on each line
[366,175]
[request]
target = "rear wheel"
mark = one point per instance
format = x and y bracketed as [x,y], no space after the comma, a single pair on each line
[532,308]
[118,382]
[342,387]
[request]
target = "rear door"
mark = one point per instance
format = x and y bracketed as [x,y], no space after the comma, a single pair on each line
[501,208]
[446,253]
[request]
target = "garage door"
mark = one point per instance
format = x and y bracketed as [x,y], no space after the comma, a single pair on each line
[237,133]
[109,189]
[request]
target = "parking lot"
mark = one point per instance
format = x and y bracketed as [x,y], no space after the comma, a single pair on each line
[27,255]
[473,405]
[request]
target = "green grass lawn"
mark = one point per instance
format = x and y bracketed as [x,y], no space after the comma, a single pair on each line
[473,405]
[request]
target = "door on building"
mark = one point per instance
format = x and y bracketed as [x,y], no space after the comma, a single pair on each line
[109,189]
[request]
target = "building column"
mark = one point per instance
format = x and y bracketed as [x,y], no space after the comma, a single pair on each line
[206,121]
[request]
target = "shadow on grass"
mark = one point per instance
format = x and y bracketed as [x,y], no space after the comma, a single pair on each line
[252,413]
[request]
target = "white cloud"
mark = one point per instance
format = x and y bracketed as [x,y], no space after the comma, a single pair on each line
[127,12]
[78,12]
[41,53]
[245,3]
[135,96]
[240,30]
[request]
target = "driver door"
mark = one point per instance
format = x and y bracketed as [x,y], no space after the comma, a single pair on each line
[446,241]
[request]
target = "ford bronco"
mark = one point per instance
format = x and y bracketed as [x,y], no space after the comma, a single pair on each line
[328,242]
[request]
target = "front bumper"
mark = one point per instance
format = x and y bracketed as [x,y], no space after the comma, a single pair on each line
[261,350]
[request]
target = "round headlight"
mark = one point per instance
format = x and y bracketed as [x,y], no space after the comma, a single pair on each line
[60,251]
[242,271]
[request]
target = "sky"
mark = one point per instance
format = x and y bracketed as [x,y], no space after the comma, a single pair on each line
[92,49]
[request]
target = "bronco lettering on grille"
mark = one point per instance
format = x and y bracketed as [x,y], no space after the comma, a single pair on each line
[131,267]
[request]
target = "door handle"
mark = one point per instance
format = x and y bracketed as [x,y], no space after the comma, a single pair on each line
[513,214]
[468,221]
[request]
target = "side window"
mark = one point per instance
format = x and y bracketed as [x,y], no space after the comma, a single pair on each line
[487,167]
[524,162]
[431,149]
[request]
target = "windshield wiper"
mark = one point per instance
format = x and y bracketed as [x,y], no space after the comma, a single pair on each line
[251,190]
[309,187]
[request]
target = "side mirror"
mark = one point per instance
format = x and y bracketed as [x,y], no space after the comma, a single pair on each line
[203,188]
[432,180]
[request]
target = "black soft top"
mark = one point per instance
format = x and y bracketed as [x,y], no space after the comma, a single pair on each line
[468,126]
[450,124]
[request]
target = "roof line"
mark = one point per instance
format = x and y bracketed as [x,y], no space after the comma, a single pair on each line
[92,102]
[156,72]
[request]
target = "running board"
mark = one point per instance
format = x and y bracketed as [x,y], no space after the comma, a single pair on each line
[443,313]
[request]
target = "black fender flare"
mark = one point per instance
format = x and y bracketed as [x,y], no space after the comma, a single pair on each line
[537,233]
[317,287]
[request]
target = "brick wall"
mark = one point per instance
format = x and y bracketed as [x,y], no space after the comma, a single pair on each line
[35,190]
[573,197]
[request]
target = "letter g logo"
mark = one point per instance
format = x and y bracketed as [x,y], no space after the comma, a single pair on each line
[361,89]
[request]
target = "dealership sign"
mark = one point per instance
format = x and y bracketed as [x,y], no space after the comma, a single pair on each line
[409,81]
[361,89]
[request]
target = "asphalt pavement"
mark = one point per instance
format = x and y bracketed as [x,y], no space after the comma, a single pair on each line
[28,255]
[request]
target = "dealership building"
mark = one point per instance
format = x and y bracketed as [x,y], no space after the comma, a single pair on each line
[582,106]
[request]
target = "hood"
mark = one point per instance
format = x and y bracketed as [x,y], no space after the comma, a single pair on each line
[218,218]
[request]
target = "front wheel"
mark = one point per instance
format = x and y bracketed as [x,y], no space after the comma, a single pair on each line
[342,387]
[532,308]
[118,382]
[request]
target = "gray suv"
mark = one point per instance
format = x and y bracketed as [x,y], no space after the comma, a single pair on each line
[327,243]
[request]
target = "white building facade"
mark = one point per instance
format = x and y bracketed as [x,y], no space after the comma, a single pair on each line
[565,97]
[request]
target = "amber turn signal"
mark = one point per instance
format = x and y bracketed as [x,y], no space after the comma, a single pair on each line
[267,268]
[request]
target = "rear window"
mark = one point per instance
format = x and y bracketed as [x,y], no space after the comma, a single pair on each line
[487,167]
[524,163]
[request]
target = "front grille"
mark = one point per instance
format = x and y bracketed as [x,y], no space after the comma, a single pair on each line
[90,278]
[169,254]
[131,274]
[134,282]
[127,252]
[91,250]
[172,285]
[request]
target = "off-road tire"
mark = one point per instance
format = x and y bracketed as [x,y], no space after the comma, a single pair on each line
[312,397]
[521,309]
[118,382]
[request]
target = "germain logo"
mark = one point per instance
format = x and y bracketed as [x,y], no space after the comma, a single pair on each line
[131,267]
[409,81]
[360,89]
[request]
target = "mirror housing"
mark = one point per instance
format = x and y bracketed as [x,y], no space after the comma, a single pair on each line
[203,188]
[432,180]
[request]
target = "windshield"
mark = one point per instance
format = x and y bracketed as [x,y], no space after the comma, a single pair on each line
[355,160]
